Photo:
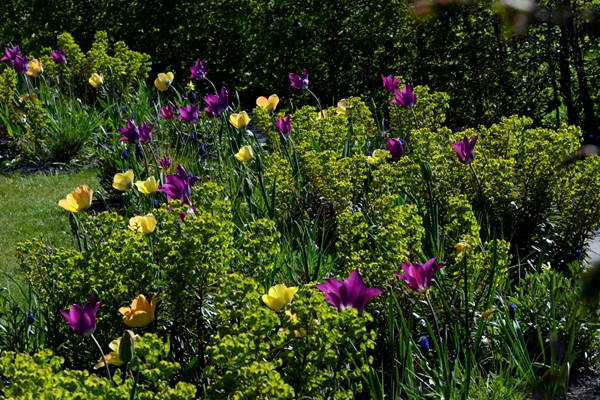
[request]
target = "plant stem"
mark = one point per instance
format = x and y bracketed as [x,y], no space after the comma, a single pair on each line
[467,332]
[103,358]
[318,102]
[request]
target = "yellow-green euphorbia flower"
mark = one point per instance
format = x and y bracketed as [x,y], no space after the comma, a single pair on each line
[143,225]
[245,154]
[148,186]
[96,80]
[141,313]
[163,82]
[279,295]
[79,200]
[34,68]
[240,120]
[123,182]
[270,104]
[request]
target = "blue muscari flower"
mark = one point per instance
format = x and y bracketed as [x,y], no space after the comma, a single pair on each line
[368,153]
[240,192]
[511,310]
[193,97]
[155,203]
[50,80]
[132,116]
[190,174]
[101,109]
[124,109]
[425,345]
[30,317]
[182,96]
[202,150]
[578,254]
[125,154]
[442,237]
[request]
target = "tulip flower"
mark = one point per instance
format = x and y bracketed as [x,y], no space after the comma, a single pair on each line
[216,104]
[299,81]
[123,182]
[167,112]
[284,125]
[198,70]
[270,104]
[351,293]
[189,113]
[405,97]
[163,82]
[240,120]
[342,107]
[141,313]
[113,357]
[417,276]
[179,186]
[165,163]
[279,296]
[133,134]
[465,150]
[78,201]
[20,64]
[148,186]
[58,56]
[143,225]
[96,81]
[390,84]
[246,154]
[82,320]
[34,68]
[395,147]
[11,54]
[461,247]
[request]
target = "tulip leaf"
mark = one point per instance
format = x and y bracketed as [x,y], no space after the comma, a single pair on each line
[272,208]
[314,144]
[190,370]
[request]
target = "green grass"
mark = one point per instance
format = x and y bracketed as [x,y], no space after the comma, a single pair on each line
[29,208]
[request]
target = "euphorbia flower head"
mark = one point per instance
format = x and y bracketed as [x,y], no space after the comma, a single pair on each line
[270,104]
[179,186]
[167,112]
[82,320]
[216,104]
[284,125]
[351,293]
[395,147]
[279,296]
[78,201]
[34,68]
[389,83]
[465,150]
[198,70]
[189,113]
[20,64]
[299,81]
[405,97]
[58,56]
[141,313]
[11,54]
[417,276]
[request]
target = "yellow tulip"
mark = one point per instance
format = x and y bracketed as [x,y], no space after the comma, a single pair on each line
[79,200]
[240,120]
[141,313]
[96,81]
[461,248]
[279,295]
[270,104]
[143,225]
[322,114]
[163,82]
[35,68]
[114,357]
[123,182]
[245,154]
[148,186]
[342,107]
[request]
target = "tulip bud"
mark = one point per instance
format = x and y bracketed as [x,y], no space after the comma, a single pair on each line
[127,348]
[248,187]
[73,222]
[426,171]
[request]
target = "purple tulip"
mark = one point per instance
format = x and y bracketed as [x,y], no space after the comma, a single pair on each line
[352,293]
[299,81]
[417,276]
[167,112]
[405,97]
[131,133]
[165,163]
[465,150]
[82,320]
[284,125]
[198,70]
[188,113]
[179,186]
[390,84]
[11,54]
[20,64]
[58,56]
[216,104]
[395,147]
[145,132]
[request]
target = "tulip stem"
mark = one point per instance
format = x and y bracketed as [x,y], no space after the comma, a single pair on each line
[467,331]
[213,85]
[439,338]
[318,102]
[103,358]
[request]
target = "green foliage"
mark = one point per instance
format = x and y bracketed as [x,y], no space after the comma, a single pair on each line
[8,85]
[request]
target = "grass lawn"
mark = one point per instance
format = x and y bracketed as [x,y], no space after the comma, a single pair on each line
[29,208]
